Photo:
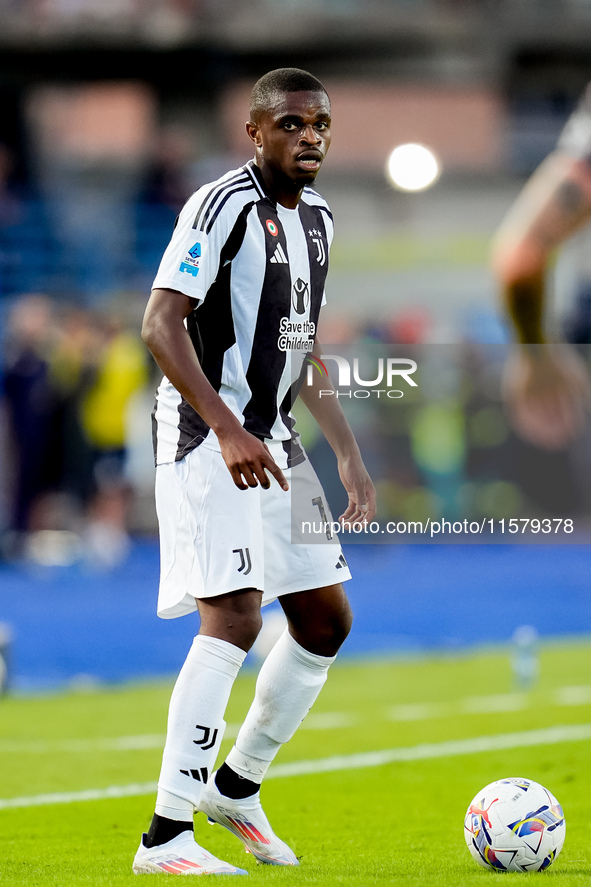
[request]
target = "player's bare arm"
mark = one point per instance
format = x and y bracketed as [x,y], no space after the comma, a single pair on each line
[330,416]
[166,336]
[554,204]
[546,389]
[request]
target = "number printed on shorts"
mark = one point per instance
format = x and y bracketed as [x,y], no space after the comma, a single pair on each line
[317,501]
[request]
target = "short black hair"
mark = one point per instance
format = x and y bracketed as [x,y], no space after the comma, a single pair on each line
[281,80]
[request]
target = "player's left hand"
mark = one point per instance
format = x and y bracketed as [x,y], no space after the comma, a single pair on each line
[360,490]
[547,392]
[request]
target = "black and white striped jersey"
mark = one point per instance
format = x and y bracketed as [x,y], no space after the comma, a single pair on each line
[257,271]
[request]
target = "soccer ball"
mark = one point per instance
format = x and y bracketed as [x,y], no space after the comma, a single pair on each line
[514,825]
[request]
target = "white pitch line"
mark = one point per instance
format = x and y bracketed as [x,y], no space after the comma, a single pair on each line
[423,752]
[498,703]
[470,705]
[564,696]
[330,720]
[91,794]
[142,742]
[75,746]
[428,750]
[139,742]
[417,711]
[574,695]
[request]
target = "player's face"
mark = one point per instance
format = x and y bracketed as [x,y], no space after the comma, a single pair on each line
[291,139]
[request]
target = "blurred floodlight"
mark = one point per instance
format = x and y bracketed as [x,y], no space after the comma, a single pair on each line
[412,167]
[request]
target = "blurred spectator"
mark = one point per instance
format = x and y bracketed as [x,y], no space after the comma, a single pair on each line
[10,204]
[410,326]
[32,411]
[67,14]
[121,370]
[68,380]
[169,179]
[11,209]
[73,359]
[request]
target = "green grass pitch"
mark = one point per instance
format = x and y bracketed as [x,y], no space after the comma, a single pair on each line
[393,823]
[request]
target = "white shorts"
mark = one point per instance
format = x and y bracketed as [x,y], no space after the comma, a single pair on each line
[215,538]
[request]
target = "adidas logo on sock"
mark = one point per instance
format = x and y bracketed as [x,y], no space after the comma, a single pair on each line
[279,257]
[200,775]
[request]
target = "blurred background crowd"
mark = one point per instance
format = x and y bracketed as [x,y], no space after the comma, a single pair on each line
[114,112]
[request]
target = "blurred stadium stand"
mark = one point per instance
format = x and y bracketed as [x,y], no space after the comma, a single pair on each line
[486,84]
[407,601]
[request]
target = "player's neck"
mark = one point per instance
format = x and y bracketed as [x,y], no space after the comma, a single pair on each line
[289,201]
[279,188]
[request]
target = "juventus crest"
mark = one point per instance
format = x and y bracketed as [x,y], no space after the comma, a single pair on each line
[319,242]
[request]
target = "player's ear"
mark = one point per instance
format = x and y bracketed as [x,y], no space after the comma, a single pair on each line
[253,133]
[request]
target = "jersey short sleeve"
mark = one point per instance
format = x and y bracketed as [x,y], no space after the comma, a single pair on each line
[191,260]
[575,139]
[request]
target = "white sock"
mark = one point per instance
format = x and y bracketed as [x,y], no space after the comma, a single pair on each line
[287,686]
[196,724]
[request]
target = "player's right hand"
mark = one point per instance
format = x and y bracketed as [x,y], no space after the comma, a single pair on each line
[547,391]
[249,460]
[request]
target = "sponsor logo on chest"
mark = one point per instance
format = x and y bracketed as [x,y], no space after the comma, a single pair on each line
[296,335]
[300,296]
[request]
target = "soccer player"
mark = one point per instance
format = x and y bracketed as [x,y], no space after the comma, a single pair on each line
[232,315]
[546,388]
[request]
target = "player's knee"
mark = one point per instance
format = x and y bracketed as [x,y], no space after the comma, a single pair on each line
[342,627]
[328,635]
[234,618]
[252,628]
[242,629]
